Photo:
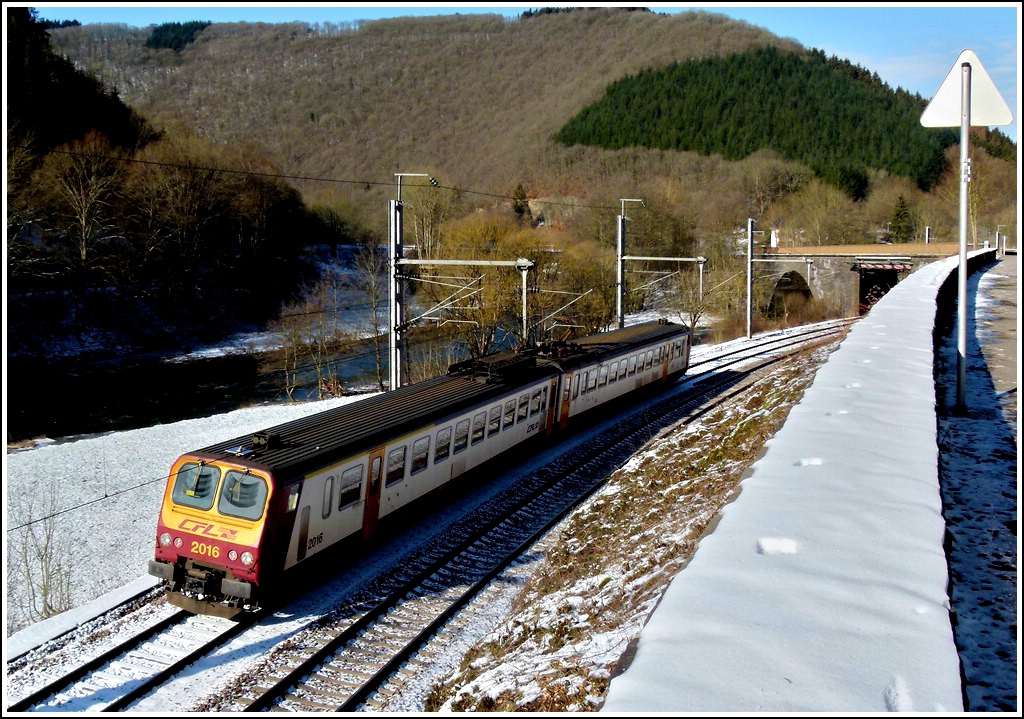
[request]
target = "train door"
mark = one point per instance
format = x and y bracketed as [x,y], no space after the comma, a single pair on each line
[303,533]
[563,416]
[667,354]
[552,405]
[371,509]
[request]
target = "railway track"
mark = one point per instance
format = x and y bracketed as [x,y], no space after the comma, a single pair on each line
[356,656]
[365,661]
[113,679]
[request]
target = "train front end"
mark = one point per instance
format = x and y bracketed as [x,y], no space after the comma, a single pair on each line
[209,532]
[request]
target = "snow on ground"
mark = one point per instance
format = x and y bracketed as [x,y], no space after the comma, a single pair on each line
[100,495]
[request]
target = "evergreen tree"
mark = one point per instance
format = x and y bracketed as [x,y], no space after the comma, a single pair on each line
[902,226]
[521,203]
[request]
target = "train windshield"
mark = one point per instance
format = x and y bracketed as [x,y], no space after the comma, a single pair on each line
[239,494]
[242,495]
[196,485]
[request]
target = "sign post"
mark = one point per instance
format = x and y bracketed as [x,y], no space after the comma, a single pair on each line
[966,97]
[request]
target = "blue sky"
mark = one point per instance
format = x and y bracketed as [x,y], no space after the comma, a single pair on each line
[909,45]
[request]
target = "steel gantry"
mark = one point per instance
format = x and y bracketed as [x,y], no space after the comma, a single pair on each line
[622,258]
[397,321]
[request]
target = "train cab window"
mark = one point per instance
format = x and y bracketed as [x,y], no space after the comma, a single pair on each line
[494,423]
[328,497]
[524,408]
[396,467]
[535,401]
[243,495]
[443,446]
[510,414]
[622,368]
[650,358]
[196,485]
[420,452]
[632,365]
[479,423]
[461,436]
[603,379]
[350,486]
[293,497]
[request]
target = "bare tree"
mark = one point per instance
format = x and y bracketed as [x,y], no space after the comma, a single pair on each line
[39,568]
[372,266]
[83,181]
[687,297]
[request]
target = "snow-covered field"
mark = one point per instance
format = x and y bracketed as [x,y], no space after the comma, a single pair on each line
[550,637]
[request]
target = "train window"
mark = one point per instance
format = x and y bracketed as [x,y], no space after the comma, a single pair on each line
[443,446]
[632,365]
[591,380]
[479,422]
[293,497]
[567,392]
[420,452]
[328,497]
[461,435]
[350,486]
[657,356]
[524,408]
[622,368]
[510,413]
[604,376]
[613,372]
[396,467]
[575,386]
[535,402]
[243,495]
[494,424]
[375,477]
[196,485]
[650,358]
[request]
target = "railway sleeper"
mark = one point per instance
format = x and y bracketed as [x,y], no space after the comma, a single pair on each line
[309,704]
[333,690]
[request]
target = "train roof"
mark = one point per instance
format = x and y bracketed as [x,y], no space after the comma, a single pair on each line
[616,342]
[304,444]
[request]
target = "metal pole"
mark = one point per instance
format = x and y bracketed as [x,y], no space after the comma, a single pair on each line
[620,271]
[395,292]
[526,341]
[750,274]
[965,177]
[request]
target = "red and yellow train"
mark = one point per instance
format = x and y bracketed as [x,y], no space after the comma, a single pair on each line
[239,515]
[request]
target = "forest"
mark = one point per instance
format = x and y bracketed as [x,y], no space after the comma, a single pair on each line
[173,184]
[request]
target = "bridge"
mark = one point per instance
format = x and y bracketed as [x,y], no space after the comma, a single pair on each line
[847,279]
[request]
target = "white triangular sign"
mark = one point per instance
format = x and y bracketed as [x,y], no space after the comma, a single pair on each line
[987,106]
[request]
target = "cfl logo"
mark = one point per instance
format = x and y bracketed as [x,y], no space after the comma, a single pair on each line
[209,530]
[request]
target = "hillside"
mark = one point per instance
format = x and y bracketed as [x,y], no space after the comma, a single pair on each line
[473,100]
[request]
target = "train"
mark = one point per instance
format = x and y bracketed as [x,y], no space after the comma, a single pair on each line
[239,516]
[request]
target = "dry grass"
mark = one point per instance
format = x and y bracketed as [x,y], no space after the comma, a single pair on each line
[613,558]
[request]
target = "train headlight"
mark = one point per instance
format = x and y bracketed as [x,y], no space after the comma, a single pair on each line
[233,555]
[178,542]
[165,539]
[247,559]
